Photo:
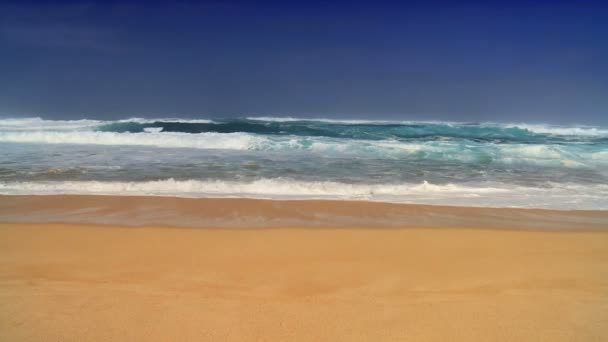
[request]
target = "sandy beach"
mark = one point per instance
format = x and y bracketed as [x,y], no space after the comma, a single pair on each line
[75,282]
[303,171]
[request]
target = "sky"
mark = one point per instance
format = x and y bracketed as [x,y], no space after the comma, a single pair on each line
[533,61]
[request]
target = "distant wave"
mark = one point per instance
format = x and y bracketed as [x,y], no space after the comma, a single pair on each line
[231,141]
[354,129]
[483,195]
[469,143]
[365,131]
[334,121]
[574,155]
[148,120]
[535,128]
[557,130]
[445,142]
[39,124]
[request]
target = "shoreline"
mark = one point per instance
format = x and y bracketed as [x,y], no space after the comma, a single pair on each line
[267,213]
[298,270]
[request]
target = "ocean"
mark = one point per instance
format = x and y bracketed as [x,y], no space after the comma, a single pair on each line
[441,163]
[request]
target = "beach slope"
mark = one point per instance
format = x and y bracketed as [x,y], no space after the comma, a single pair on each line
[75,282]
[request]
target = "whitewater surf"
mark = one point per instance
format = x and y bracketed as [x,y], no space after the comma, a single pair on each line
[448,163]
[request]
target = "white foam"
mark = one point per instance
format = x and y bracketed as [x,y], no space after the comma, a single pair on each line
[230,141]
[341,121]
[564,196]
[531,151]
[272,187]
[273,119]
[39,124]
[561,130]
[145,120]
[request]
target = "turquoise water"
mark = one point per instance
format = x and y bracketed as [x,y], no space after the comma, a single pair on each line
[478,164]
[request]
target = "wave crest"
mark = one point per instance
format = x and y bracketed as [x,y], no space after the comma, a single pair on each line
[230,141]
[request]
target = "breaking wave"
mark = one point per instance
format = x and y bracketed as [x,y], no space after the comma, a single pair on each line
[573,155]
[345,129]
[233,141]
[39,124]
[480,164]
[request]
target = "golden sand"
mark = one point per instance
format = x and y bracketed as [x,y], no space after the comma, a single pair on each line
[105,283]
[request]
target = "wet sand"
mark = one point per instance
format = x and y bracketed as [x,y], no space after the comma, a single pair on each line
[254,213]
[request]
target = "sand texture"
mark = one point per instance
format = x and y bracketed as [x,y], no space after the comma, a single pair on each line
[63,282]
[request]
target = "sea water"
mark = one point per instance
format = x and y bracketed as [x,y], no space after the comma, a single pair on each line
[444,163]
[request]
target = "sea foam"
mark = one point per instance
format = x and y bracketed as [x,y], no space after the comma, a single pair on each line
[483,195]
[230,141]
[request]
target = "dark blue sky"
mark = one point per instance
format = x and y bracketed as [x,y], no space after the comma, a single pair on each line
[542,61]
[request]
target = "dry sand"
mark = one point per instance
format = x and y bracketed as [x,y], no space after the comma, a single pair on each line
[61,282]
[255,213]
